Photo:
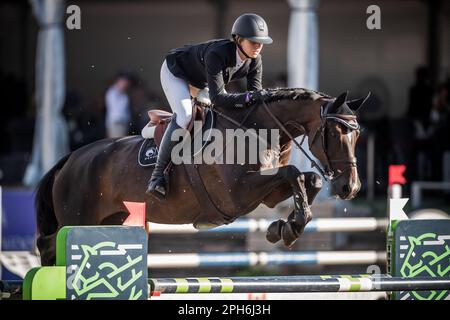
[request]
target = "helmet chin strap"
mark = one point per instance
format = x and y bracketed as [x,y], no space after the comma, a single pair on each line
[240,49]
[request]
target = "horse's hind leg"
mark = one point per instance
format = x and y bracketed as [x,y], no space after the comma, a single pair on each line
[47,249]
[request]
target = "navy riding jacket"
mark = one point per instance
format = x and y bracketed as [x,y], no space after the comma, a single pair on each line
[209,64]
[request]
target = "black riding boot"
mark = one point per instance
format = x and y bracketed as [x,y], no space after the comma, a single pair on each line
[157,185]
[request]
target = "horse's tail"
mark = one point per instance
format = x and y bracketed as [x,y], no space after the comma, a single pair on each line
[45,214]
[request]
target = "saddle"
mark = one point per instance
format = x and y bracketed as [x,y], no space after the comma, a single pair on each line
[160,119]
[210,216]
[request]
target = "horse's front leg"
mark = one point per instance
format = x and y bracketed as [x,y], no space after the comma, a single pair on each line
[313,184]
[288,231]
[291,229]
[310,184]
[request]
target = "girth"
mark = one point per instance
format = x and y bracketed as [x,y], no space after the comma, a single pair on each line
[210,216]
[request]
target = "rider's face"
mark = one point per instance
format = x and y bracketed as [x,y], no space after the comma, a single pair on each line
[252,49]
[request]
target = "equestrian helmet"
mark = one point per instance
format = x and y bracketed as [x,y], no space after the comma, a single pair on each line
[252,27]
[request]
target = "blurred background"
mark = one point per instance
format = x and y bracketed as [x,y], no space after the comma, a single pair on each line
[55,77]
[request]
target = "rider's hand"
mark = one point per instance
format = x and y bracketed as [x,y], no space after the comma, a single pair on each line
[258,96]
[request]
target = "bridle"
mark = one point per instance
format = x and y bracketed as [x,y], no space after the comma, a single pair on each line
[328,172]
[349,121]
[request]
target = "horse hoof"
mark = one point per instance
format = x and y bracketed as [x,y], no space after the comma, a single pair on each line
[289,234]
[273,234]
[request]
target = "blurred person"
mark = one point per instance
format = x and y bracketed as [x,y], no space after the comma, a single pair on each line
[73,113]
[421,97]
[441,108]
[420,103]
[85,120]
[440,129]
[139,101]
[118,114]
[211,64]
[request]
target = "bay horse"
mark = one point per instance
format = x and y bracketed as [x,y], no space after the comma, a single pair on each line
[88,186]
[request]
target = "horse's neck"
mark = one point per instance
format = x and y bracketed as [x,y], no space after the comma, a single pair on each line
[303,113]
[291,113]
[298,116]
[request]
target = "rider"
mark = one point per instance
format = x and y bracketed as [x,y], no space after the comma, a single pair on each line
[210,64]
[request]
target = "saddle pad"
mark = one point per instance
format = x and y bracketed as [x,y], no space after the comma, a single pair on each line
[148,153]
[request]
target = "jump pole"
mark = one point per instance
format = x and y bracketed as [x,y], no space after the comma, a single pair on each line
[328,283]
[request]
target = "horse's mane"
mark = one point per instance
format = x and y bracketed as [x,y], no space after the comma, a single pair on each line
[278,94]
[283,94]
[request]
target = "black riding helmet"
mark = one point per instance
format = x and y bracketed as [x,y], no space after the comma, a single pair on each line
[252,27]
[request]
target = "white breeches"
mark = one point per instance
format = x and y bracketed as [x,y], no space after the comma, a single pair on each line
[178,95]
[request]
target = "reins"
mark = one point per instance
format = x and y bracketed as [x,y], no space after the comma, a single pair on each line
[347,120]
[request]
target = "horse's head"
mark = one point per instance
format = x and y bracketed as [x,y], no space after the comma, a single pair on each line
[333,142]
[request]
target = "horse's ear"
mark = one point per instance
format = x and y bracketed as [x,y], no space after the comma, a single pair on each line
[338,102]
[356,104]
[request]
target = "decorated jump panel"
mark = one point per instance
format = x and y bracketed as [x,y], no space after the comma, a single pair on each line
[421,248]
[107,262]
